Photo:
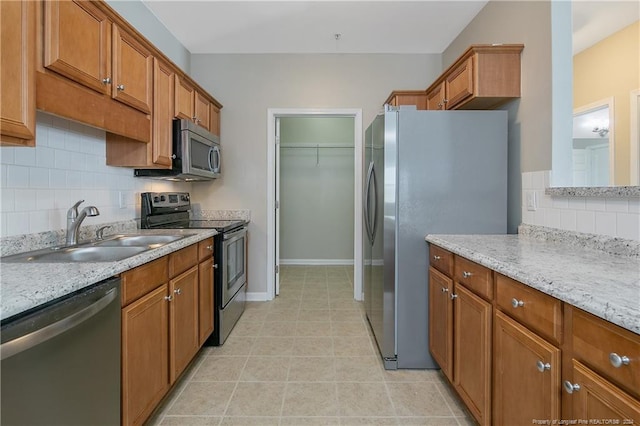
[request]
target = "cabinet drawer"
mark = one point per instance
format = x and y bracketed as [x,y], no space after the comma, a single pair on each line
[139,281]
[441,259]
[599,343]
[534,309]
[182,260]
[205,249]
[473,276]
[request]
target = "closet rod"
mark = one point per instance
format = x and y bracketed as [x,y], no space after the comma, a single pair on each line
[314,146]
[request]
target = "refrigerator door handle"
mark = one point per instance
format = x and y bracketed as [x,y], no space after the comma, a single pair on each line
[367,191]
[374,228]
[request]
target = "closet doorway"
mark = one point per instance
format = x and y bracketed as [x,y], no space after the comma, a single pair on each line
[314,194]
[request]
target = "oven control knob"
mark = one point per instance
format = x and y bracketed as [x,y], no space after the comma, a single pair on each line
[156,199]
[162,198]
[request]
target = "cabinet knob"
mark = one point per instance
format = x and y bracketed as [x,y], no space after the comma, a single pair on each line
[618,361]
[436,257]
[177,291]
[106,80]
[466,274]
[453,296]
[444,289]
[570,387]
[215,266]
[168,298]
[542,366]
[173,157]
[120,87]
[210,248]
[444,101]
[517,303]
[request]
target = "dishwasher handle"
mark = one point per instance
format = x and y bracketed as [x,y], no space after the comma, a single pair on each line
[50,331]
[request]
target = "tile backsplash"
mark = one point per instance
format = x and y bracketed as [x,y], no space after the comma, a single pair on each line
[38,185]
[614,217]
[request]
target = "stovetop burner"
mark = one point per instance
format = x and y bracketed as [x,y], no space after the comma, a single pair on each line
[171,210]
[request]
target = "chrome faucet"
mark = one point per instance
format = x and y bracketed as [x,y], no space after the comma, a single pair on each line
[74,220]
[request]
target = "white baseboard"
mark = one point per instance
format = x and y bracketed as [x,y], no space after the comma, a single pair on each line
[316,261]
[257,297]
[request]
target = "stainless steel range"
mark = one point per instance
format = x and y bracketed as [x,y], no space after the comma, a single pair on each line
[171,210]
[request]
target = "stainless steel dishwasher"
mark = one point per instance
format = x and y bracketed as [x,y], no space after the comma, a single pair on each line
[60,364]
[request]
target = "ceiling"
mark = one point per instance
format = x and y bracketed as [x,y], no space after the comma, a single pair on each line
[311,26]
[359,26]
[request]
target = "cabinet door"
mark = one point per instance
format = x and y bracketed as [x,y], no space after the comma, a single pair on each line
[163,87]
[206,300]
[132,71]
[145,355]
[77,37]
[472,352]
[459,84]
[202,112]
[441,320]
[598,399]
[435,98]
[526,375]
[184,99]
[183,324]
[214,120]
[17,73]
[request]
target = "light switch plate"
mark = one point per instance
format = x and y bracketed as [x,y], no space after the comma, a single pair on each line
[532,201]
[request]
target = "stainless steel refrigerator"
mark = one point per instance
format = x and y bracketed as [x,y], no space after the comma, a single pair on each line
[427,172]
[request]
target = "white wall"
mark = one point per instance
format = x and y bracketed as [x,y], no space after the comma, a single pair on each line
[615,217]
[316,190]
[38,185]
[247,85]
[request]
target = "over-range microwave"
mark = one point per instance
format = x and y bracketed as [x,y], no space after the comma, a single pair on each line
[196,155]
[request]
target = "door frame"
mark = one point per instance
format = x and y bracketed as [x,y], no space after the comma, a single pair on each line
[634,134]
[272,147]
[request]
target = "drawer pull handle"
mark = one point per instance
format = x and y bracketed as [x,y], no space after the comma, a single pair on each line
[436,257]
[106,80]
[618,361]
[453,296]
[210,248]
[444,290]
[542,367]
[120,87]
[517,303]
[168,298]
[570,387]
[466,274]
[177,291]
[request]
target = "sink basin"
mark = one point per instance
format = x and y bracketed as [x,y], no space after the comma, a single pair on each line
[152,241]
[76,254]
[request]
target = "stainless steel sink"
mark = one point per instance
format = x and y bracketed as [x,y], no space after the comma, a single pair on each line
[151,241]
[76,254]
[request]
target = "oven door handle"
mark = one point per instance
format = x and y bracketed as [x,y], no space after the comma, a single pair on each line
[236,234]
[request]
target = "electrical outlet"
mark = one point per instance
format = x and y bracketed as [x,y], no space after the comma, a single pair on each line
[121,200]
[532,201]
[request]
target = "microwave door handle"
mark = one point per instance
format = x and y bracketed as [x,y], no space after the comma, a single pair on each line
[209,159]
[216,167]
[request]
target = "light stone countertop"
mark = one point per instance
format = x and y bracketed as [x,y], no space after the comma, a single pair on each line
[605,285]
[27,285]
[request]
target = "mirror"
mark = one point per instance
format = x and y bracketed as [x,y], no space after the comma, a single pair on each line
[606,79]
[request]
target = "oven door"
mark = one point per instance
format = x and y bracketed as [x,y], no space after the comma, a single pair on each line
[234,270]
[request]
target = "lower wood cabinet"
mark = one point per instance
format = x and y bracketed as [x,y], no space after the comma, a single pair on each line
[472,352]
[167,314]
[526,375]
[595,398]
[441,321]
[145,355]
[183,321]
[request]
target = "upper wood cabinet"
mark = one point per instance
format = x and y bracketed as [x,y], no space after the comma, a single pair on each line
[132,71]
[483,77]
[77,43]
[192,104]
[17,73]
[408,97]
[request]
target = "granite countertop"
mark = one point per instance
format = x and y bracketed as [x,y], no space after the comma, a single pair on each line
[27,285]
[603,284]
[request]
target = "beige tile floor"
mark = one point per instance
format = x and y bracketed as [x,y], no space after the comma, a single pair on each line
[306,358]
